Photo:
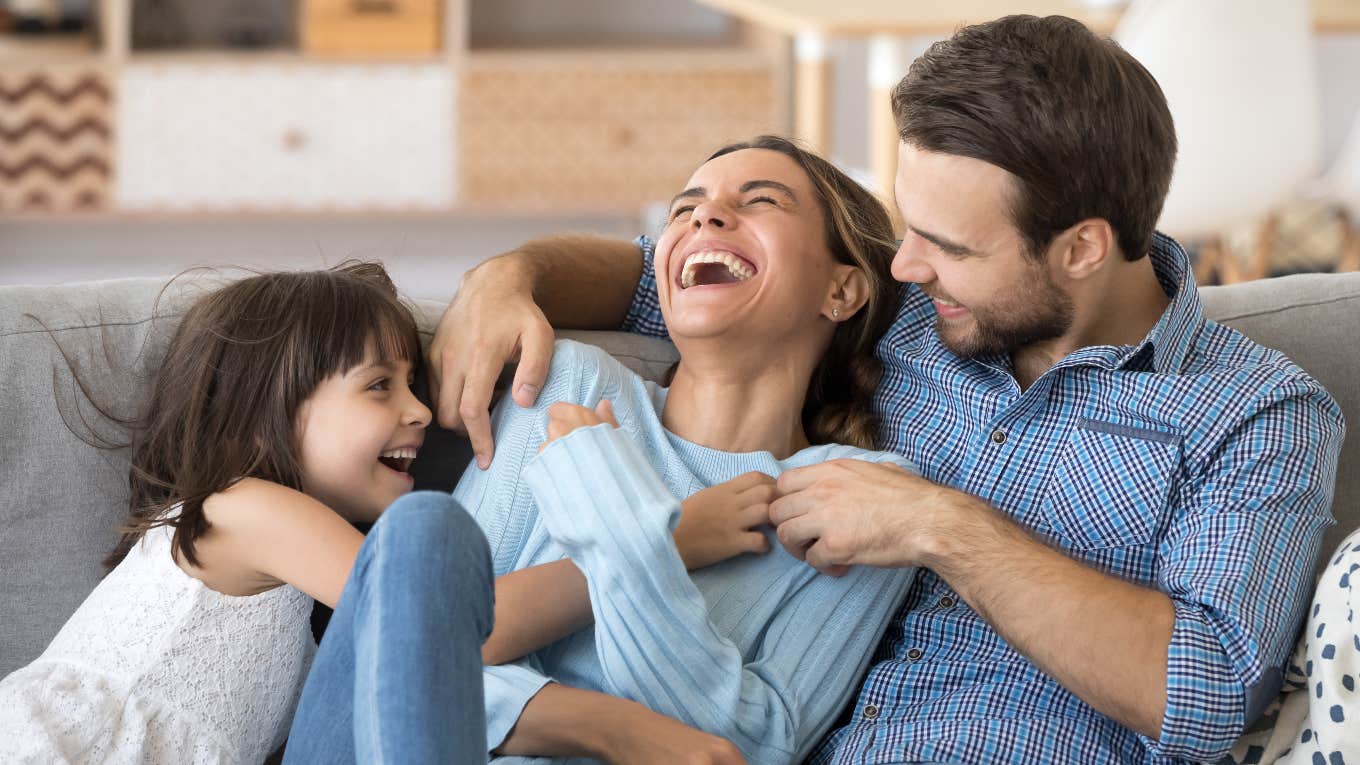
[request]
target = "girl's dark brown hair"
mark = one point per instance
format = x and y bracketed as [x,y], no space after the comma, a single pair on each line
[241,362]
[839,403]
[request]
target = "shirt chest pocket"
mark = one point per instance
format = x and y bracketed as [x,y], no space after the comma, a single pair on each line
[1112,485]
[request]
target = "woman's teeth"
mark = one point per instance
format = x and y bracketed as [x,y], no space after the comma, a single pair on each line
[737,267]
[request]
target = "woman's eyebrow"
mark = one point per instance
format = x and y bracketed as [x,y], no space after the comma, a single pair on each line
[698,192]
[764,184]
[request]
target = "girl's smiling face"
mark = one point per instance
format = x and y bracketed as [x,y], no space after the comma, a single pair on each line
[745,249]
[358,433]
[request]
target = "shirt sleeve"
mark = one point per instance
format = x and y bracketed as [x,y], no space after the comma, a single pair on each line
[1238,565]
[605,504]
[644,313]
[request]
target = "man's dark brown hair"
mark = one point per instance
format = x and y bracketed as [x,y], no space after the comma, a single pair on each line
[1082,126]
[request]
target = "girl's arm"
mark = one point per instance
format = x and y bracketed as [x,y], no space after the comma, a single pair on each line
[615,524]
[537,606]
[264,534]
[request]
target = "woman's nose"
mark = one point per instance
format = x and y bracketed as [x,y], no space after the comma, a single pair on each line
[710,214]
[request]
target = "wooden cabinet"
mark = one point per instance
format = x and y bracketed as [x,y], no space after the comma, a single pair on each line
[481,121]
[610,130]
[271,136]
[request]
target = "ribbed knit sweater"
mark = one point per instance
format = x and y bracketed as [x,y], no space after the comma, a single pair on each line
[759,649]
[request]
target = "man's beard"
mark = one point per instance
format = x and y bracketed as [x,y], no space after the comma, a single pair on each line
[1034,311]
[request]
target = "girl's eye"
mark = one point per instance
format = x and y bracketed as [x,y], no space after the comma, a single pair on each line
[380,384]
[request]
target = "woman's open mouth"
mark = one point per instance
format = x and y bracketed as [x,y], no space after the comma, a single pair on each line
[714,267]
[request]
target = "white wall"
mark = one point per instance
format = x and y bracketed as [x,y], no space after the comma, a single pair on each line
[425,256]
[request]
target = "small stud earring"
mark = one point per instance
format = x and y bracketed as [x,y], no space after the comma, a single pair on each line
[835,313]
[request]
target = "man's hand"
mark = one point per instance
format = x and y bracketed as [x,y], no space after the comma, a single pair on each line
[563,418]
[852,512]
[724,520]
[492,320]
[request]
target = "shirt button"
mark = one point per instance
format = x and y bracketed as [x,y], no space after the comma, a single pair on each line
[914,654]
[870,712]
[946,602]
[999,436]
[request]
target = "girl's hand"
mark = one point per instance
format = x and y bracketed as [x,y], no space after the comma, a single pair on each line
[724,520]
[563,418]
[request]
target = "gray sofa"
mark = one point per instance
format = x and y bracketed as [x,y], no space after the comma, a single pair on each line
[61,497]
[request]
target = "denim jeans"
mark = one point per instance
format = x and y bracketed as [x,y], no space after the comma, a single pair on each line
[398,675]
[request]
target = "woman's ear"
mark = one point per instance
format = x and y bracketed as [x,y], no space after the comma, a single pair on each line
[849,293]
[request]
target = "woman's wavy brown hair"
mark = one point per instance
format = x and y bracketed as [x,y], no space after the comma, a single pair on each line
[240,364]
[839,403]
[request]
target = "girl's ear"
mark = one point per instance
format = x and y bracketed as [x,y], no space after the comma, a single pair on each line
[849,293]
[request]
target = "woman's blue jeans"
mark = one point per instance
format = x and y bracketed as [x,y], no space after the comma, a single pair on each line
[398,675]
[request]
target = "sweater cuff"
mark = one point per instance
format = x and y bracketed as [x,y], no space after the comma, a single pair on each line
[594,486]
[508,689]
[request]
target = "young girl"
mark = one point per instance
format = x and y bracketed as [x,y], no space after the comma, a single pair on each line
[282,412]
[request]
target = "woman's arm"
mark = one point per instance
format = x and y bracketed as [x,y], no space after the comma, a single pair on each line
[616,529]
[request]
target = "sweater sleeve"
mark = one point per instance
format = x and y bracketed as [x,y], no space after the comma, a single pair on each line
[605,504]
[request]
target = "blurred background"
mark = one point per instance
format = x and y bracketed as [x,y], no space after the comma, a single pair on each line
[143,137]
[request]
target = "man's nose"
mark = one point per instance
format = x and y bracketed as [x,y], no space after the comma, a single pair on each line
[908,266]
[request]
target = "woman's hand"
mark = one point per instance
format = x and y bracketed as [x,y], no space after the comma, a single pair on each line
[724,520]
[563,418]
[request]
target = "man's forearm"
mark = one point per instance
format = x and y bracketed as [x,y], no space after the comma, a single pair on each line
[579,282]
[1103,638]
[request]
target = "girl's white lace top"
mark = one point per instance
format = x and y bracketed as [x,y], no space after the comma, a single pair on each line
[156,667]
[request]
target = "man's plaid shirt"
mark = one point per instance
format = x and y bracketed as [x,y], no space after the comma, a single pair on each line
[1197,462]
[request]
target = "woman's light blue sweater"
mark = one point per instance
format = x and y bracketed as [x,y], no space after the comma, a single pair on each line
[759,649]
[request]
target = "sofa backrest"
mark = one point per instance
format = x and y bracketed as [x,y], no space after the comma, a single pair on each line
[63,498]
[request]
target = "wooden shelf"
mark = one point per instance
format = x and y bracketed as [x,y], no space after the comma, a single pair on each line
[78,49]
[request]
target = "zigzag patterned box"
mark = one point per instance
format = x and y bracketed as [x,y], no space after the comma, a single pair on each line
[56,139]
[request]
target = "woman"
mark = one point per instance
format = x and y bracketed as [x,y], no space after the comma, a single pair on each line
[773,279]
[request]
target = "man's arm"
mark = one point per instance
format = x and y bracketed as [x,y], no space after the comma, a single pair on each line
[1188,664]
[506,308]
[1103,638]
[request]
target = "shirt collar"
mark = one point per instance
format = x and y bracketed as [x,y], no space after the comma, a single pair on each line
[1173,335]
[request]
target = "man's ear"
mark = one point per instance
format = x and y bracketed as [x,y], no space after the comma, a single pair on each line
[849,293]
[1086,247]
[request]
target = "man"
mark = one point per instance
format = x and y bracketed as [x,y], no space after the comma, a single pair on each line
[1120,504]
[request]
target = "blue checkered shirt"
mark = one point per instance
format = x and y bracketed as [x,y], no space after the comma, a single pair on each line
[1197,462]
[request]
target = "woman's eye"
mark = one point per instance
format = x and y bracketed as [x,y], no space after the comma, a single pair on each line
[754,200]
[680,212]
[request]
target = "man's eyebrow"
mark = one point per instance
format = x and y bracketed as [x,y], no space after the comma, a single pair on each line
[953,248]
